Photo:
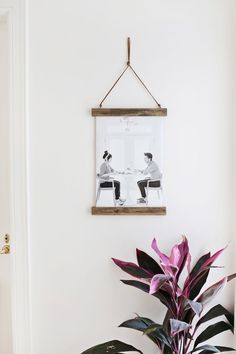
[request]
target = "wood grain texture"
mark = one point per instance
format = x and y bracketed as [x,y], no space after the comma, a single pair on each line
[129,112]
[128,210]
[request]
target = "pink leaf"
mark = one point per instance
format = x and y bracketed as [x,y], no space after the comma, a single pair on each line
[175,256]
[212,259]
[162,256]
[178,326]
[197,307]
[157,282]
[212,291]
[184,255]
[133,269]
[189,263]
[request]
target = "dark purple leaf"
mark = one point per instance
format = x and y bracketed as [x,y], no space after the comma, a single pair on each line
[199,274]
[212,259]
[137,284]
[231,277]
[198,284]
[186,258]
[212,349]
[188,316]
[198,265]
[212,331]
[166,321]
[148,263]
[132,269]
[194,274]
[112,347]
[214,312]
[209,352]
[224,349]
[162,295]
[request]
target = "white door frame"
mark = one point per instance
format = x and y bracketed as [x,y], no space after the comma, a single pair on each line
[14,10]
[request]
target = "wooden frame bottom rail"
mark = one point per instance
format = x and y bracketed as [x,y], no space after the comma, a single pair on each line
[128,210]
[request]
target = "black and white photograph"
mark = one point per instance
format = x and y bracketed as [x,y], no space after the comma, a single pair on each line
[129,161]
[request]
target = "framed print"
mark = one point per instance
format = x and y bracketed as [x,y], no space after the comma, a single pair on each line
[130,176]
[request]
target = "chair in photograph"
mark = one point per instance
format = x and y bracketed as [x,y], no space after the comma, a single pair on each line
[100,188]
[150,188]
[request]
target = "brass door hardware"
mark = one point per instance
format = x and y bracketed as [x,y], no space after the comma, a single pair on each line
[7,238]
[6,249]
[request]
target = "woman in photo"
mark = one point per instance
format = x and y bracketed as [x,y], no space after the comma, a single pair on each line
[106,171]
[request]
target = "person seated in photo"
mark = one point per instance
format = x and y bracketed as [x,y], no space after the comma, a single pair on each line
[106,171]
[154,175]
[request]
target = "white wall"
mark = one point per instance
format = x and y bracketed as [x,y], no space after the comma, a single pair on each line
[183,49]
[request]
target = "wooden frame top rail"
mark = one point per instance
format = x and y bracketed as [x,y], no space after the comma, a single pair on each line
[129,112]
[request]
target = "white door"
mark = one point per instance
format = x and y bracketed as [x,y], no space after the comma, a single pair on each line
[5,222]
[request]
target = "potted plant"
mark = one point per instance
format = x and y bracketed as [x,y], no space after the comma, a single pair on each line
[185,305]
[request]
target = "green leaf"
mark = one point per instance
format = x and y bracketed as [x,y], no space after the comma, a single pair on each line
[112,347]
[160,334]
[138,323]
[212,331]
[158,330]
[152,328]
[214,312]
[141,324]
[167,350]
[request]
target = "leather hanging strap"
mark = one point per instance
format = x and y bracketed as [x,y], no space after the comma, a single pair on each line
[128,50]
[100,105]
[129,66]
